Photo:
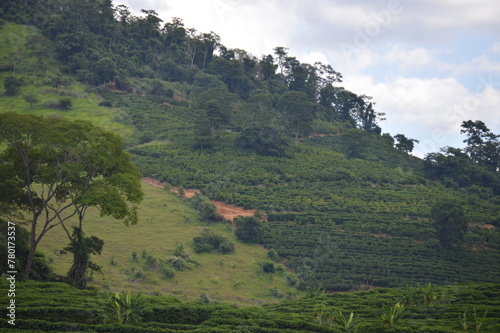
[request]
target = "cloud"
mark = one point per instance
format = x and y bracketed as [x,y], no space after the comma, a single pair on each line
[408,59]
[430,110]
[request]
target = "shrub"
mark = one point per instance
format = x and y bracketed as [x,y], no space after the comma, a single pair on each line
[12,85]
[249,229]
[107,104]
[206,209]
[65,103]
[51,104]
[209,241]
[167,272]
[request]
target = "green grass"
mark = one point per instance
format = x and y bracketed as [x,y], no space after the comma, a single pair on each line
[48,83]
[165,222]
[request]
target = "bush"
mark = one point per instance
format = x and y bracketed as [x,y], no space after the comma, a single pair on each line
[12,85]
[65,103]
[206,209]
[249,229]
[212,242]
[167,272]
[51,104]
[106,104]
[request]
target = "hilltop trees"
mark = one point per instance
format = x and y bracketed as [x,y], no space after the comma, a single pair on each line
[476,165]
[483,146]
[65,167]
[405,144]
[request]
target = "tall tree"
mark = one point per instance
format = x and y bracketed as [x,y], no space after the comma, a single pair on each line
[450,221]
[261,131]
[483,146]
[66,167]
[297,108]
[405,144]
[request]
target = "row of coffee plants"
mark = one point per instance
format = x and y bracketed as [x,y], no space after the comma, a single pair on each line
[344,260]
[58,307]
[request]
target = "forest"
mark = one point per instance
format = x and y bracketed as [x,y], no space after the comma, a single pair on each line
[95,98]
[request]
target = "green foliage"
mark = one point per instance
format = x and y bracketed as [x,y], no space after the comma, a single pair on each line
[393,313]
[450,222]
[59,307]
[209,241]
[82,247]
[31,99]
[180,261]
[249,229]
[123,308]
[12,85]
[41,269]
[75,164]
[297,108]
[205,208]
[65,103]
[473,319]
[405,144]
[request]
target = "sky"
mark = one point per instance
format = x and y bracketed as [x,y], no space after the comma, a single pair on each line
[428,64]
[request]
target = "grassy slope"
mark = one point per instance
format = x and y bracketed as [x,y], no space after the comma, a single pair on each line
[47,83]
[230,278]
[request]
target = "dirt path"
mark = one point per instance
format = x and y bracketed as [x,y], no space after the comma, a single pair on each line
[228,212]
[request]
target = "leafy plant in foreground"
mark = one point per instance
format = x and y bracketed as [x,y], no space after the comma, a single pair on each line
[123,308]
[393,313]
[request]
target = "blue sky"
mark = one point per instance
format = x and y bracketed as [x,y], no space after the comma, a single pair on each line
[428,64]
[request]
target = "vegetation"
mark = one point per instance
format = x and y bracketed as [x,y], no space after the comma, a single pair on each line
[63,168]
[343,206]
[59,307]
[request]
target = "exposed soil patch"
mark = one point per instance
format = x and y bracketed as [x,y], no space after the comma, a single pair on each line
[228,212]
[487,226]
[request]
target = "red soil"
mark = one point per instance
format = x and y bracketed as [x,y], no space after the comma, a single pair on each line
[228,212]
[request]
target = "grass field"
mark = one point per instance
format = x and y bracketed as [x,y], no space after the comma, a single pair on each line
[167,221]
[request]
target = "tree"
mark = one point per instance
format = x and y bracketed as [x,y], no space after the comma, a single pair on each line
[12,85]
[249,229]
[66,167]
[449,221]
[356,143]
[31,99]
[260,132]
[297,108]
[483,146]
[404,144]
[82,247]
[41,270]
[218,104]
[203,134]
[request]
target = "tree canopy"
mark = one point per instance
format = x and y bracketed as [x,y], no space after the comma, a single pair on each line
[64,167]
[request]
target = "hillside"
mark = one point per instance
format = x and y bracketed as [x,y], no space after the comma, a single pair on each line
[135,258]
[339,205]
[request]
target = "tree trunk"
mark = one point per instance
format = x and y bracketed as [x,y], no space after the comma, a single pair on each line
[33,245]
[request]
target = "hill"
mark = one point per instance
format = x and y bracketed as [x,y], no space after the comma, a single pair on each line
[136,258]
[342,206]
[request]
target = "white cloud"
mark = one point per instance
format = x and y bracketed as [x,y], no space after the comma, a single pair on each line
[408,59]
[462,13]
